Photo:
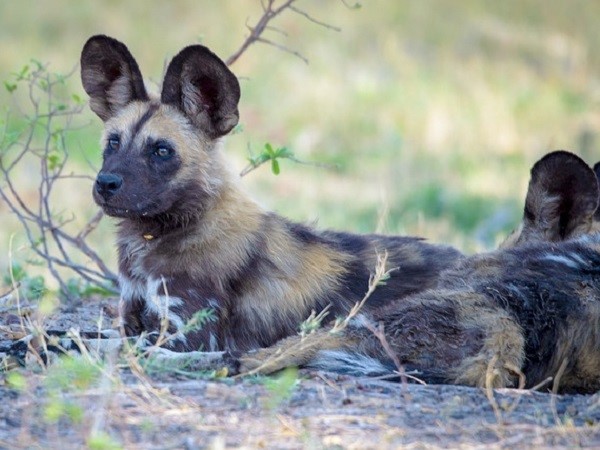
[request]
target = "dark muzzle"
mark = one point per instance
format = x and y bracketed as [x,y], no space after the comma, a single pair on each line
[108,184]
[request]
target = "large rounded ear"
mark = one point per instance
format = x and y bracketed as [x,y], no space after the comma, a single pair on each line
[200,84]
[110,76]
[561,200]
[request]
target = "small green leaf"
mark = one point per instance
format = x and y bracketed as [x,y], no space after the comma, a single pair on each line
[18,274]
[38,64]
[281,387]
[275,166]
[16,381]
[54,410]
[239,128]
[199,319]
[284,152]
[10,87]
[269,150]
[23,73]
[53,161]
[102,441]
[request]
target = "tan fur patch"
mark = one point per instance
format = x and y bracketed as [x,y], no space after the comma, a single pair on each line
[503,344]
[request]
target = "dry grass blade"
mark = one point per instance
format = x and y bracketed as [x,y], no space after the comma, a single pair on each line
[380,276]
[490,375]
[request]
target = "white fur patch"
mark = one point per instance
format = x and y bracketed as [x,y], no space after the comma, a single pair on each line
[161,306]
[571,260]
[212,343]
[131,289]
[349,363]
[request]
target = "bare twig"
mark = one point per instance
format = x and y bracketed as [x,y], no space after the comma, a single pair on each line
[313,20]
[269,13]
[283,48]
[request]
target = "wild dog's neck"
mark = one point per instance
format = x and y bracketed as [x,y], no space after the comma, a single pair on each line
[229,213]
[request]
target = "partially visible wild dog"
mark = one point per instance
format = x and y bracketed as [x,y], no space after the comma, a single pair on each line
[190,238]
[561,201]
[533,309]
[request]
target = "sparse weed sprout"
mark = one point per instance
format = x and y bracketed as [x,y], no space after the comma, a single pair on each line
[281,387]
[268,154]
[199,319]
[30,287]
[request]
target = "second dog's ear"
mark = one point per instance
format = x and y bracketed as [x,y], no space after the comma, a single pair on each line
[561,200]
[110,76]
[200,84]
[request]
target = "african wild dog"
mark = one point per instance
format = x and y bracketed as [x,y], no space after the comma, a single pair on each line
[190,238]
[524,310]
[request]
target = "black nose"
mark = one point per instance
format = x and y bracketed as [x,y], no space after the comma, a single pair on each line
[107,184]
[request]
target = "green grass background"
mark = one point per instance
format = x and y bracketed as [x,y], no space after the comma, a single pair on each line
[433,111]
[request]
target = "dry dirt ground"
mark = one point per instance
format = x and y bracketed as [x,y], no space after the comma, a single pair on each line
[310,410]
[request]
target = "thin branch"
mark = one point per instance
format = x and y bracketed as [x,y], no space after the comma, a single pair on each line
[283,48]
[313,20]
[277,30]
[269,13]
[90,226]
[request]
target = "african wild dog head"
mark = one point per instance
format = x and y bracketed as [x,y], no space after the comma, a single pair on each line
[155,150]
[561,202]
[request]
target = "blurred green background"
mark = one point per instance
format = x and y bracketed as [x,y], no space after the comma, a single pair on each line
[433,111]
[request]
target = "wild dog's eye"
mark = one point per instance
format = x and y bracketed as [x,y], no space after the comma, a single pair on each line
[113,143]
[163,151]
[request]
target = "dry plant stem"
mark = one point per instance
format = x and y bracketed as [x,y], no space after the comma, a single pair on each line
[380,275]
[13,281]
[555,386]
[380,335]
[540,385]
[490,374]
[521,387]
